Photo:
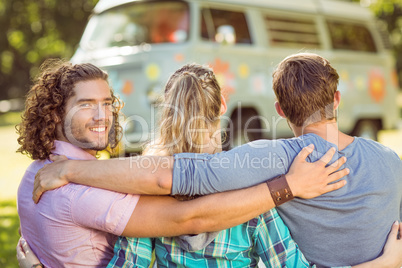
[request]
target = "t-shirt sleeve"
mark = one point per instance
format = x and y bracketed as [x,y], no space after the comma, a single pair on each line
[102,210]
[241,167]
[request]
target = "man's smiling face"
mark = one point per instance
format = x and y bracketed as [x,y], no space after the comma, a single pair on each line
[88,117]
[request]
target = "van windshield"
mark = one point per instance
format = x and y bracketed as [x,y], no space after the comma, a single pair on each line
[138,23]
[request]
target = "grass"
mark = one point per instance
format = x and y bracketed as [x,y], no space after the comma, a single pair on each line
[9,223]
[9,119]
[9,181]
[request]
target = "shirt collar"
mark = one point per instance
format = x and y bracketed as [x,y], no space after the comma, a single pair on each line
[71,151]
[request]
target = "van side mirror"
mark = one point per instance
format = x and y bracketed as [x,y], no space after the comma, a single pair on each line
[225,35]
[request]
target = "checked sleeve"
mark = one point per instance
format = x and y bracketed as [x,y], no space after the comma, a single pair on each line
[132,252]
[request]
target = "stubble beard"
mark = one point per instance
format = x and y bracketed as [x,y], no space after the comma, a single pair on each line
[76,138]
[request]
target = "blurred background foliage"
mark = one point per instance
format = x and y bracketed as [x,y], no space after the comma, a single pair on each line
[389,14]
[32,31]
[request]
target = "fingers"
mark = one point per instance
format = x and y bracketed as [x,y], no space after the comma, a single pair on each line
[338,175]
[19,245]
[337,164]
[326,158]
[306,151]
[36,194]
[20,249]
[334,186]
[20,252]
[334,177]
[395,229]
[37,190]
[25,246]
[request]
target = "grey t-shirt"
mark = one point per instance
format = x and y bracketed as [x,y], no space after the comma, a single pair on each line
[345,227]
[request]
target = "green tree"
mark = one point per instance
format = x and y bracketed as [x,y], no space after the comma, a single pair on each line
[32,31]
[389,13]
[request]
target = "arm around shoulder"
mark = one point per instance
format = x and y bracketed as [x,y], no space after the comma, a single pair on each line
[132,175]
[156,216]
[392,253]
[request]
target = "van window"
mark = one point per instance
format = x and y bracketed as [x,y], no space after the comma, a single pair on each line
[350,36]
[292,32]
[141,22]
[212,19]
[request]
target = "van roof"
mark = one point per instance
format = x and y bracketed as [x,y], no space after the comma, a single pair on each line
[338,8]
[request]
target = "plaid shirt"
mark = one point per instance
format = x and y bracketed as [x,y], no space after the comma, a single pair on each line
[265,237]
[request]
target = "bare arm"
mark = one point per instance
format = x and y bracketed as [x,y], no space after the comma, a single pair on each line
[165,216]
[153,175]
[156,216]
[132,175]
[392,256]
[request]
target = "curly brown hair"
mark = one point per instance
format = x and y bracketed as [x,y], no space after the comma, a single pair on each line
[46,102]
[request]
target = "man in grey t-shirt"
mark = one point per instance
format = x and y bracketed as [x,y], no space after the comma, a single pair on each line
[344,227]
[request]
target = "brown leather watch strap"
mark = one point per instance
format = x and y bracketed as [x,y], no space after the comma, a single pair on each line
[280,190]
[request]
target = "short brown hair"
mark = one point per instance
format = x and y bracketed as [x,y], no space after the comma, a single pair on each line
[304,86]
[46,102]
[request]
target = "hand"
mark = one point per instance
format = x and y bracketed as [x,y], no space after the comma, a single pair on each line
[392,255]
[309,180]
[26,258]
[50,177]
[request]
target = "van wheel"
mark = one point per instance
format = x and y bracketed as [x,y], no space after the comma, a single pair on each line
[367,129]
[236,135]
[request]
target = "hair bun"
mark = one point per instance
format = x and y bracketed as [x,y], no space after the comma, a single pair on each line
[187,73]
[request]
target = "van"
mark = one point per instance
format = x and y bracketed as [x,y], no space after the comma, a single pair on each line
[141,43]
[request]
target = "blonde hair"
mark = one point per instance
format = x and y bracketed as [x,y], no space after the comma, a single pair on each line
[190,110]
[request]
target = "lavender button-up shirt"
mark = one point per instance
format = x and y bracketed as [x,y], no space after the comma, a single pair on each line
[75,225]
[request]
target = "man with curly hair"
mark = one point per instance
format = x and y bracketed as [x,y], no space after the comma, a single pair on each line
[72,111]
